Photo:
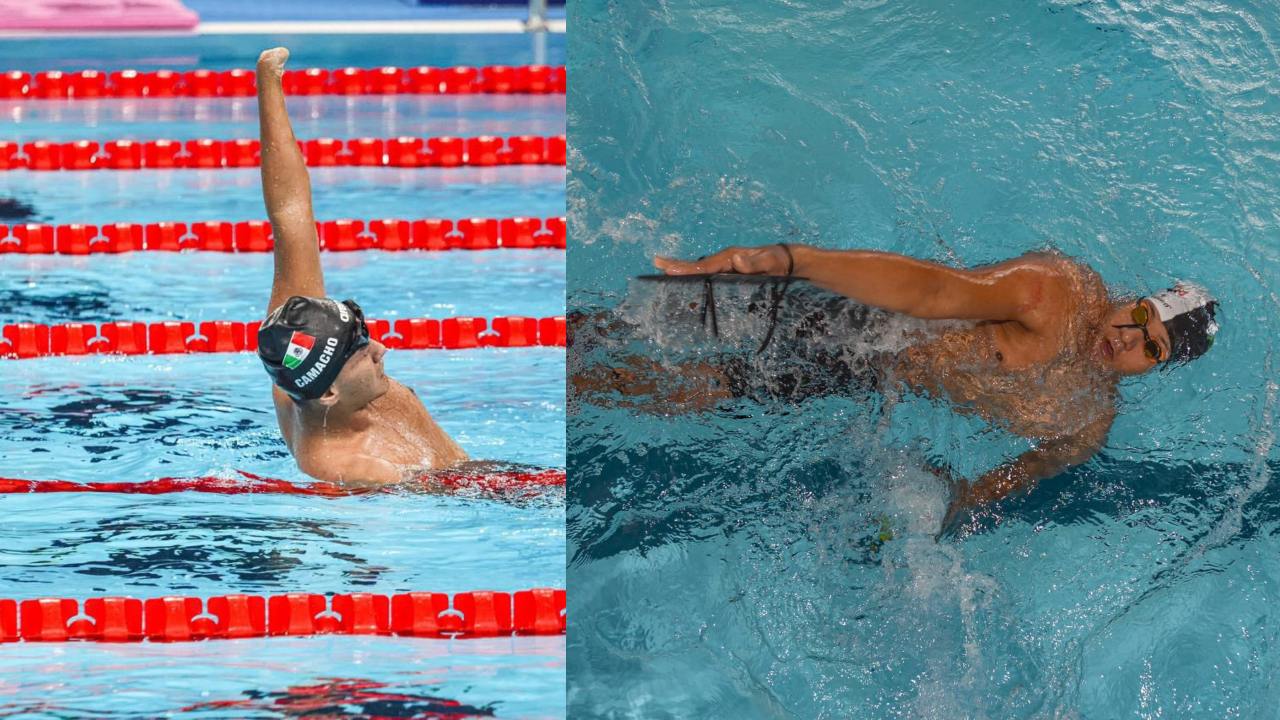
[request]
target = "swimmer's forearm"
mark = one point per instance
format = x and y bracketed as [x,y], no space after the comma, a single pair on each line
[1051,459]
[286,192]
[885,280]
[285,183]
[1020,474]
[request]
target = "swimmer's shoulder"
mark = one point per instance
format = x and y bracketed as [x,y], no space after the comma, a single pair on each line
[1072,270]
[1069,285]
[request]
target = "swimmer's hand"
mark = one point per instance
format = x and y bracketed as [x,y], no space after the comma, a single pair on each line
[273,60]
[958,504]
[769,260]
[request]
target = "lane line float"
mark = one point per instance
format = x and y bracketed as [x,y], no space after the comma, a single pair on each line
[32,340]
[241,82]
[388,234]
[206,153]
[502,481]
[173,618]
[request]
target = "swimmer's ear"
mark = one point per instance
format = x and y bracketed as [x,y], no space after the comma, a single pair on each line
[329,398]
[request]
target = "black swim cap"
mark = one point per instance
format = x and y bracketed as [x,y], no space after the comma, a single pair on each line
[306,341]
[1188,312]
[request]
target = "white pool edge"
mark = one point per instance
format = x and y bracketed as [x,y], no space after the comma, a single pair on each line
[314,27]
[374,27]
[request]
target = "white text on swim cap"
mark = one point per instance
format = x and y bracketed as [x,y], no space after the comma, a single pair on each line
[326,355]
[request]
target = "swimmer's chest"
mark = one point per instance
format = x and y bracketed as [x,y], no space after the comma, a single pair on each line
[400,431]
[400,418]
[1011,378]
[1013,348]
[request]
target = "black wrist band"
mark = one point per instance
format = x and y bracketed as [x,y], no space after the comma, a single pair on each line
[791,260]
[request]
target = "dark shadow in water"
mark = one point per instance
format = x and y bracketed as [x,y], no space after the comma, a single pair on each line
[165,415]
[346,698]
[625,499]
[69,299]
[245,552]
[1189,496]
[639,498]
[330,698]
[15,211]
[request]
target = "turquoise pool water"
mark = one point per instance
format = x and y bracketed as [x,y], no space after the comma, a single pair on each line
[136,418]
[780,561]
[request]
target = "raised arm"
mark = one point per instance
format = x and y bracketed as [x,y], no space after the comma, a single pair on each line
[1049,459]
[286,189]
[1013,290]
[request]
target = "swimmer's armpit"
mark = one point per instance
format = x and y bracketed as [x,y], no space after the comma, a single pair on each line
[1051,458]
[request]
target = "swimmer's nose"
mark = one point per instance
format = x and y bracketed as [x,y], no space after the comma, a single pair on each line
[1130,338]
[378,350]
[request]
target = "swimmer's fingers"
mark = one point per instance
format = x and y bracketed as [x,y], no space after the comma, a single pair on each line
[718,263]
[745,261]
[273,59]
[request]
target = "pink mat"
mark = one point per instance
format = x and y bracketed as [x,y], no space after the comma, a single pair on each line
[64,15]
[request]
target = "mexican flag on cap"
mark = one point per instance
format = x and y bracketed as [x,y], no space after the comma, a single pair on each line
[300,345]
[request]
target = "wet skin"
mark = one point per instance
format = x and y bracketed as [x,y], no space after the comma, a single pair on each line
[1042,358]
[386,438]
[366,429]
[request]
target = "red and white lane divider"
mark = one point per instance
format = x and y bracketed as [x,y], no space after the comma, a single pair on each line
[31,340]
[255,236]
[250,484]
[461,80]
[407,152]
[179,618]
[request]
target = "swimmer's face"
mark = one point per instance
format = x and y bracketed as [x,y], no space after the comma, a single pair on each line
[363,379]
[1122,346]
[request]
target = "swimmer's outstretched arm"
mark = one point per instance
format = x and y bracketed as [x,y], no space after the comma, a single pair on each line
[1016,290]
[286,189]
[1051,458]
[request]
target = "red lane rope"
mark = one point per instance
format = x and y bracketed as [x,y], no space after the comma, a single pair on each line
[444,151]
[390,234]
[248,484]
[459,80]
[476,614]
[31,340]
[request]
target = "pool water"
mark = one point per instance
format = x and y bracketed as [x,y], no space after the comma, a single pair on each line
[770,560]
[137,418]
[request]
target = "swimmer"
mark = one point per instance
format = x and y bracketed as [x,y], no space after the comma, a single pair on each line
[14,210]
[1042,356]
[343,419]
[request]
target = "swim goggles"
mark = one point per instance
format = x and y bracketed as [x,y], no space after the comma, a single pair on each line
[1140,317]
[360,333]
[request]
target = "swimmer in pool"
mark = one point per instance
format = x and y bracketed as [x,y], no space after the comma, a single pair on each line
[343,419]
[1043,356]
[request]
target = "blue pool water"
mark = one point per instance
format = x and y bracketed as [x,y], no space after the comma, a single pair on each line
[314,117]
[133,419]
[224,52]
[780,561]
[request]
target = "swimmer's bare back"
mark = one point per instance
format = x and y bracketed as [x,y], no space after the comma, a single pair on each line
[367,429]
